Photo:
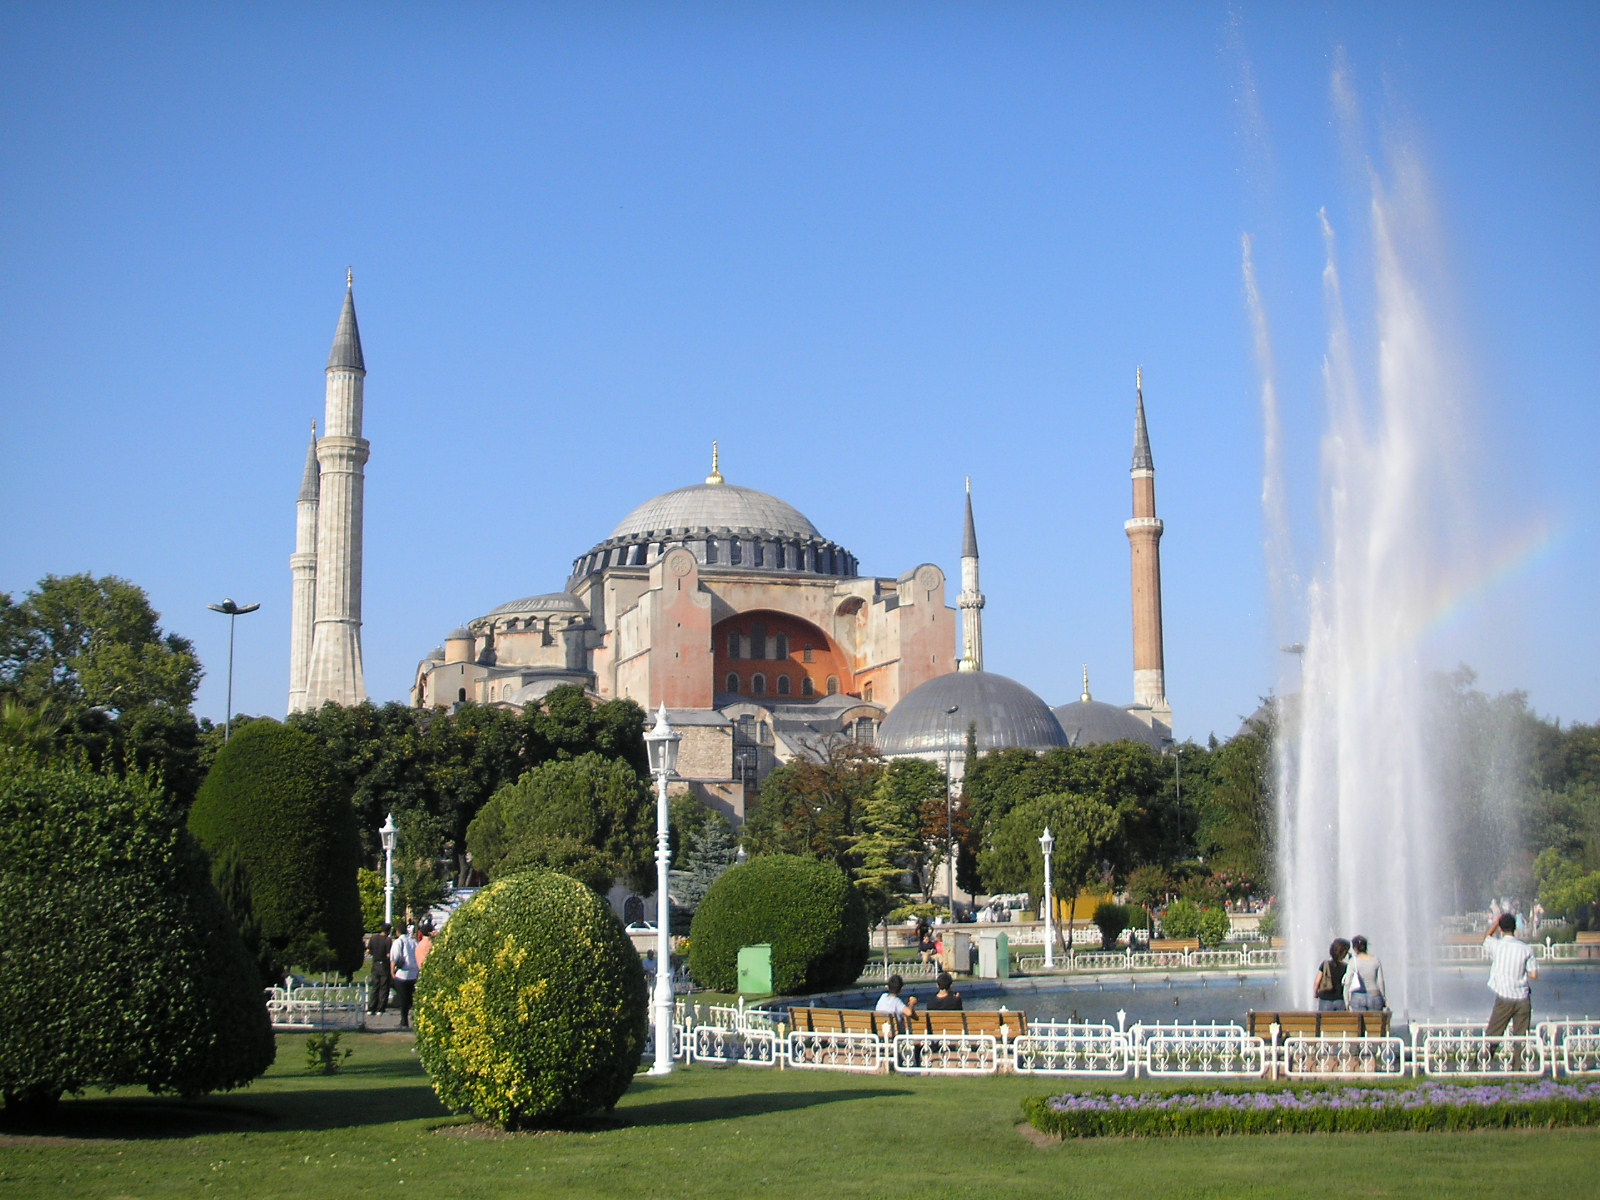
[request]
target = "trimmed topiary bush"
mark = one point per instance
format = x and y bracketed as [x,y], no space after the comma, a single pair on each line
[121,965]
[1181,920]
[1214,927]
[274,803]
[814,919]
[532,1008]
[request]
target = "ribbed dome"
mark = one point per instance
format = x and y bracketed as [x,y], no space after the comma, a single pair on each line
[1091,723]
[717,506]
[1007,715]
[550,602]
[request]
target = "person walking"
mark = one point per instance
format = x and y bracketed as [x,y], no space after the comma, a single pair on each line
[1363,980]
[1512,969]
[403,957]
[1329,986]
[378,945]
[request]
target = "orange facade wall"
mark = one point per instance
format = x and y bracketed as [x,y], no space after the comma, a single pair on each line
[758,636]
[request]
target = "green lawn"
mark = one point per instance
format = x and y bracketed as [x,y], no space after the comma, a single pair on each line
[705,1133]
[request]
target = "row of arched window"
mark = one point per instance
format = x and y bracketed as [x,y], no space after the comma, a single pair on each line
[755,645]
[784,685]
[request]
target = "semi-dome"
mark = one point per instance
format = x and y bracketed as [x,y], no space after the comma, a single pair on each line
[726,527]
[935,717]
[549,602]
[1092,723]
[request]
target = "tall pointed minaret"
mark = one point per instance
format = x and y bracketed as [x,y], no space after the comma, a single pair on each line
[303,566]
[970,601]
[1144,535]
[336,672]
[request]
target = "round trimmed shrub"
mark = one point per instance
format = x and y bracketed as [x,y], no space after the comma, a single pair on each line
[273,801]
[1214,927]
[1181,920]
[122,966]
[532,1008]
[814,919]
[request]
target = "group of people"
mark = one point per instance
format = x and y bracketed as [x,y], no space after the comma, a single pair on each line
[396,966]
[1350,979]
[893,1004]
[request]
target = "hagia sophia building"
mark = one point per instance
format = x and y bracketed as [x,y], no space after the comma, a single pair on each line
[763,638]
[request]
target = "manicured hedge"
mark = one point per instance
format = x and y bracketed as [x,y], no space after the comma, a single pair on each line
[532,1007]
[120,964]
[1327,1108]
[273,800]
[807,910]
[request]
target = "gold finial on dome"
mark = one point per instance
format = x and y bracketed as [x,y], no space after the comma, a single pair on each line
[349,277]
[716,476]
[1086,697]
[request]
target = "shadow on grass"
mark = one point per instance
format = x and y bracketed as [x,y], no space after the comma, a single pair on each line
[280,1110]
[694,1110]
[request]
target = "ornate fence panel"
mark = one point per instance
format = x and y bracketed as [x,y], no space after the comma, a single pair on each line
[1157,960]
[1321,1057]
[313,1006]
[876,971]
[1071,1048]
[1573,1046]
[1175,1050]
[746,1047]
[1100,960]
[1465,1049]
[838,1051]
[1263,956]
[947,1054]
[1216,958]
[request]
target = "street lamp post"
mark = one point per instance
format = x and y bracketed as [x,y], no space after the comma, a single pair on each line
[662,745]
[386,835]
[232,611]
[949,815]
[1047,845]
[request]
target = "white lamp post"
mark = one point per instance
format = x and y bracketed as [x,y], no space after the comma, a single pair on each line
[386,834]
[1047,845]
[233,612]
[662,745]
[949,813]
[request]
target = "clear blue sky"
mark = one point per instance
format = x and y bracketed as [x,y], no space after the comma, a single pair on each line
[872,249]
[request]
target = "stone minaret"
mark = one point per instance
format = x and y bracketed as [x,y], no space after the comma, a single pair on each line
[1144,535]
[335,673]
[970,601]
[303,566]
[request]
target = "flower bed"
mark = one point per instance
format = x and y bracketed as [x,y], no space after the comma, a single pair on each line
[1321,1109]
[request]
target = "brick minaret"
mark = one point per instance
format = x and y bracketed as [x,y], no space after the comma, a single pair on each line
[1144,537]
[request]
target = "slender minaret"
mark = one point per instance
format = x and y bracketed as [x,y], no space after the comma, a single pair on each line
[1144,536]
[970,601]
[335,672]
[303,566]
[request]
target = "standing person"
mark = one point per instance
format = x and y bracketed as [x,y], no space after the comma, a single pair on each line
[1363,981]
[378,945]
[1330,977]
[1512,968]
[424,943]
[403,956]
[946,1000]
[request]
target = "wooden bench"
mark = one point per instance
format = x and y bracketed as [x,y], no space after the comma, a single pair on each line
[1173,945]
[1002,1026]
[841,1020]
[1317,1024]
[1588,942]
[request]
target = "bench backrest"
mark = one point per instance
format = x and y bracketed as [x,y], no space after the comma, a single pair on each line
[1318,1024]
[1174,945]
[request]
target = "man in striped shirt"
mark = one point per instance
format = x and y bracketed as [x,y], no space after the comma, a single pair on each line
[1511,967]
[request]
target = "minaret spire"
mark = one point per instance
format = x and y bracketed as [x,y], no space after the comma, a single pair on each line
[336,672]
[303,570]
[971,599]
[1144,538]
[1086,697]
[716,475]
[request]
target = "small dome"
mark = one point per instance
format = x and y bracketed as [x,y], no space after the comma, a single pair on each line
[1091,723]
[1007,715]
[550,602]
[435,655]
[458,634]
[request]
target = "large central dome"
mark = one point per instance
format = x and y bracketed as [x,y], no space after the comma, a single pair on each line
[726,527]
[716,505]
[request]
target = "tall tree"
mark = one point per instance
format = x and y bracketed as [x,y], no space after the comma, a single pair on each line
[814,808]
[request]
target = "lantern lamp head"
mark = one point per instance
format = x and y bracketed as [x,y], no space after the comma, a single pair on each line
[1046,842]
[661,743]
[387,832]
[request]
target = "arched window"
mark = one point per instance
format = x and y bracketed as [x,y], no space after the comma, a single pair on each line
[807,687]
[866,731]
[711,551]
[833,685]
[758,640]
[461,695]
[758,684]
[781,646]
[783,685]
[866,692]
[733,644]
[733,681]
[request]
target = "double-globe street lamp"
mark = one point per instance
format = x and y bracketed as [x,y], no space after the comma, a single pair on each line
[1047,845]
[661,743]
[233,612]
[386,835]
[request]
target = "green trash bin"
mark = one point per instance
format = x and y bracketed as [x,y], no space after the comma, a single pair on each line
[755,970]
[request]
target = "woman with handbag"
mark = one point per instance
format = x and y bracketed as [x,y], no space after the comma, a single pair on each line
[1330,977]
